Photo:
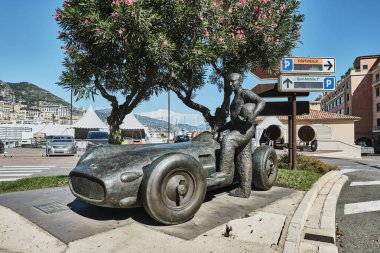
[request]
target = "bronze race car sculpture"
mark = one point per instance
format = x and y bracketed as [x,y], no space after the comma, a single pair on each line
[169,180]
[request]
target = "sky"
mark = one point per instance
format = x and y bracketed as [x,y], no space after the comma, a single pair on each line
[30,50]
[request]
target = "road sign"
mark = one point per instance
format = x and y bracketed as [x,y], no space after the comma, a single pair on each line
[307,65]
[306,83]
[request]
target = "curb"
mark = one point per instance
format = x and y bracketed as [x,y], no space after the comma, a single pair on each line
[297,224]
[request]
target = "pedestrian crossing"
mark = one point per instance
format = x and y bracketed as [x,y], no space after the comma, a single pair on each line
[363,207]
[14,172]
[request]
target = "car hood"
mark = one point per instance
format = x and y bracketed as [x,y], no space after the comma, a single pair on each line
[111,160]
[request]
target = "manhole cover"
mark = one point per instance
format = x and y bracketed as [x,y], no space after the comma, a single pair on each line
[53,207]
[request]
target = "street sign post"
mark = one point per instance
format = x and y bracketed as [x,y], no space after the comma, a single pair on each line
[303,75]
[306,83]
[308,65]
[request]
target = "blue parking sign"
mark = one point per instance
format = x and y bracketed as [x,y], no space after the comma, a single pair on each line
[329,83]
[287,64]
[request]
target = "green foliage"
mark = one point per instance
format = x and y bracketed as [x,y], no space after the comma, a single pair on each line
[307,163]
[32,183]
[137,48]
[297,179]
[115,137]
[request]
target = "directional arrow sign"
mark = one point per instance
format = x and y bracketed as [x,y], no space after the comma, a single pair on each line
[306,83]
[296,65]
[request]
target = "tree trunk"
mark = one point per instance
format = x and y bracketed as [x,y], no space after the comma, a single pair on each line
[115,120]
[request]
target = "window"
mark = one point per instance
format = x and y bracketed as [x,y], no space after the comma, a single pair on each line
[365,66]
[348,110]
[377,91]
[348,85]
[378,122]
[342,99]
[378,107]
[377,78]
[348,97]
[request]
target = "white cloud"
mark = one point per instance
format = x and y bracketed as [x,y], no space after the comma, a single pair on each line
[175,117]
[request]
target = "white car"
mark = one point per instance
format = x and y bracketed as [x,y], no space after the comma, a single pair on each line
[61,145]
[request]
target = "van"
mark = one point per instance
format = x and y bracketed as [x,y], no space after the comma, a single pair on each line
[97,138]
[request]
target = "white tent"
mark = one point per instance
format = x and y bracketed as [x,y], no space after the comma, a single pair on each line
[130,122]
[268,121]
[90,120]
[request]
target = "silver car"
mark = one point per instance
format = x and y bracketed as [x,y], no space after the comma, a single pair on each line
[61,145]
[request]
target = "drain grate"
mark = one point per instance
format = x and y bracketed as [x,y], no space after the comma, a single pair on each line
[53,207]
[319,238]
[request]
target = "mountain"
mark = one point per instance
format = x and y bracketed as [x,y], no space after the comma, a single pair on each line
[151,122]
[30,94]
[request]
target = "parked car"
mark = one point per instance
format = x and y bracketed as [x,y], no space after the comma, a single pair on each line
[169,180]
[2,149]
[97,138]
[181,138]
[60,145]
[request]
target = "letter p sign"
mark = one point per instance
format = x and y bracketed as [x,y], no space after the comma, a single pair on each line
[287,64]
[329,83]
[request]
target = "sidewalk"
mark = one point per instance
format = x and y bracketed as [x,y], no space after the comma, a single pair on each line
[279,226]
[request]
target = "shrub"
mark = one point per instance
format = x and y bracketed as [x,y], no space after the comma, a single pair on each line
[307,163]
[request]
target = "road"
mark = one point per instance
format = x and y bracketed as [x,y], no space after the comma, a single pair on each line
[358,207]
[27,162]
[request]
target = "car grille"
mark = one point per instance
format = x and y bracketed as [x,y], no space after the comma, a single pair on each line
[87,187]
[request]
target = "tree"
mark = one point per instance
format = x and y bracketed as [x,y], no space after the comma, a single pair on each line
[215,38]
[136,48]
[114,48]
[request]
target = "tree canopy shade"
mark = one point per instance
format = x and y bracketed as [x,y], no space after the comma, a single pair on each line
[226,37]
[139,47]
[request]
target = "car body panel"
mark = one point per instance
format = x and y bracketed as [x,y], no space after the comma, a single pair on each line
[106,164]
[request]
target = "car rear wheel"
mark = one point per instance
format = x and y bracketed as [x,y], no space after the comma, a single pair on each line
[173,188]
[264,167]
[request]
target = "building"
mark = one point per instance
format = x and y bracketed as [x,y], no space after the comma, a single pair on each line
[355,95]
[376,106]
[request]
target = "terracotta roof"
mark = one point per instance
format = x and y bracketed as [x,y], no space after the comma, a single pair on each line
[319,115]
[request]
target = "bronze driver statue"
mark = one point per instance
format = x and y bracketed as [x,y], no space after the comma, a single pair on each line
[236,148]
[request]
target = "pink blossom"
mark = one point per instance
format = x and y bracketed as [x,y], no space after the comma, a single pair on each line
[129,2]
[282,7]
[116,2]
[86,21]
[240,34]
[114,14]
[232,35]
[221,40]
[277,42]
[205,33]
[120,31]
[201,17]
[229,10]
[56,16]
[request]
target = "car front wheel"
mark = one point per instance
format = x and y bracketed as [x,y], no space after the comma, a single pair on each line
[264,167]
[173,188]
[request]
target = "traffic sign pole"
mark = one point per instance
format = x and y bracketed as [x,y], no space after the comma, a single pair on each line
[294,133]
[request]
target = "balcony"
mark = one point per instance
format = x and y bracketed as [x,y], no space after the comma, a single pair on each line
[375,82]
[376,129]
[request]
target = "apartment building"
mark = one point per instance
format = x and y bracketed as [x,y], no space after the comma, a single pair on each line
[355,95]
[376,106]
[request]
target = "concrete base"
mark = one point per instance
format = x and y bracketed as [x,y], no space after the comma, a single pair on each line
[82,220]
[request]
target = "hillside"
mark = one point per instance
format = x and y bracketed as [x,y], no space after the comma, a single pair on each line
[155,123]
[31,94]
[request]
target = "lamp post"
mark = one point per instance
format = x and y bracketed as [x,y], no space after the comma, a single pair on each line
[71,107]
[168,115]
